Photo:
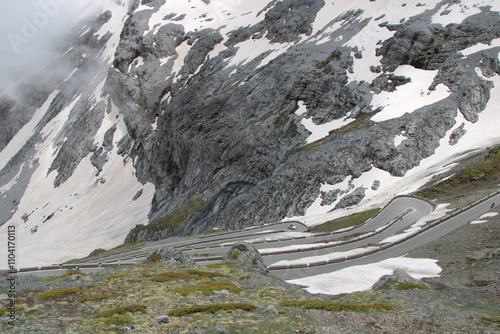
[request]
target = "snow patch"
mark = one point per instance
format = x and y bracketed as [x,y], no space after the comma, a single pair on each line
[323,130]
[182,51]
[408,97]
[480,47]
[455,13]
[23,135]
[319,131]
[399,139]
[331,256]
[12,182]
[252,48]
[113,26]
[477,222]
[360,278]
[489,215]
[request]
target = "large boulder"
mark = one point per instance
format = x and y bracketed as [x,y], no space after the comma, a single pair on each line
[246,255]
[170,255]
[393,281]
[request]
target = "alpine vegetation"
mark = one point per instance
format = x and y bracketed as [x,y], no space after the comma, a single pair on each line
[160,118]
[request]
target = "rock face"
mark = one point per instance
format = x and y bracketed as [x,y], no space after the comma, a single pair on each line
[390,281]
[170,256]
[223,119]
[222,130]
[246,255]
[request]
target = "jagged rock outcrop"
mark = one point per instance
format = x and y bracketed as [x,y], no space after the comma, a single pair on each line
[223,135]
[390,282]
[171,256]
[246,255]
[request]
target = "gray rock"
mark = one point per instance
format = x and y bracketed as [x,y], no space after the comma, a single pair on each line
[170,254]
[221,293]
[163,319]
[352,199]
[246,255]
[288,19]
[390,281]
[330,197]
[137,195]
[457,134]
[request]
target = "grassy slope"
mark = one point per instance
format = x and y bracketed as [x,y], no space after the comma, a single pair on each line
[217,298]
[344,222]
[480,174]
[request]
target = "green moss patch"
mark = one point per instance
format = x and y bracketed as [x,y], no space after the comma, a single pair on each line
[171,221]
[236,254]
[332,57]
[352,220]
[179,216]
[97,252]
[57,293]
[409,286]
[211,309]
[208,287]
[171,276]
[116,276]
[153,258]
[337,306]
[489,319]
[188,275]
[477,175]
[4,310]
[96,297]
[72,272]
[220,265]
[201,273]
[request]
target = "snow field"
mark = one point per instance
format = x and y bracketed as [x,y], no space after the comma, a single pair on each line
[410,96]
[85,213]
[360,278]
[113,26]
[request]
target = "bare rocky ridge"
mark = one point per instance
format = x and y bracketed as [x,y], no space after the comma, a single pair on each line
[243,129]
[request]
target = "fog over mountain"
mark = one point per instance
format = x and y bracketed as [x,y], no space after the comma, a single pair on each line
[33,31]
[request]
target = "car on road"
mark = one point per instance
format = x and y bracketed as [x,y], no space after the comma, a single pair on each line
[292,227]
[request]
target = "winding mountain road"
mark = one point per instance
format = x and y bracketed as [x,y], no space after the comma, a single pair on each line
[277,243]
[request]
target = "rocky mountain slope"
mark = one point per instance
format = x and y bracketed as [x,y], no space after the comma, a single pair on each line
[185,116]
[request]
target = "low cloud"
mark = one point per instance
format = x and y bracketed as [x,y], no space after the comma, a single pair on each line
[30,31]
